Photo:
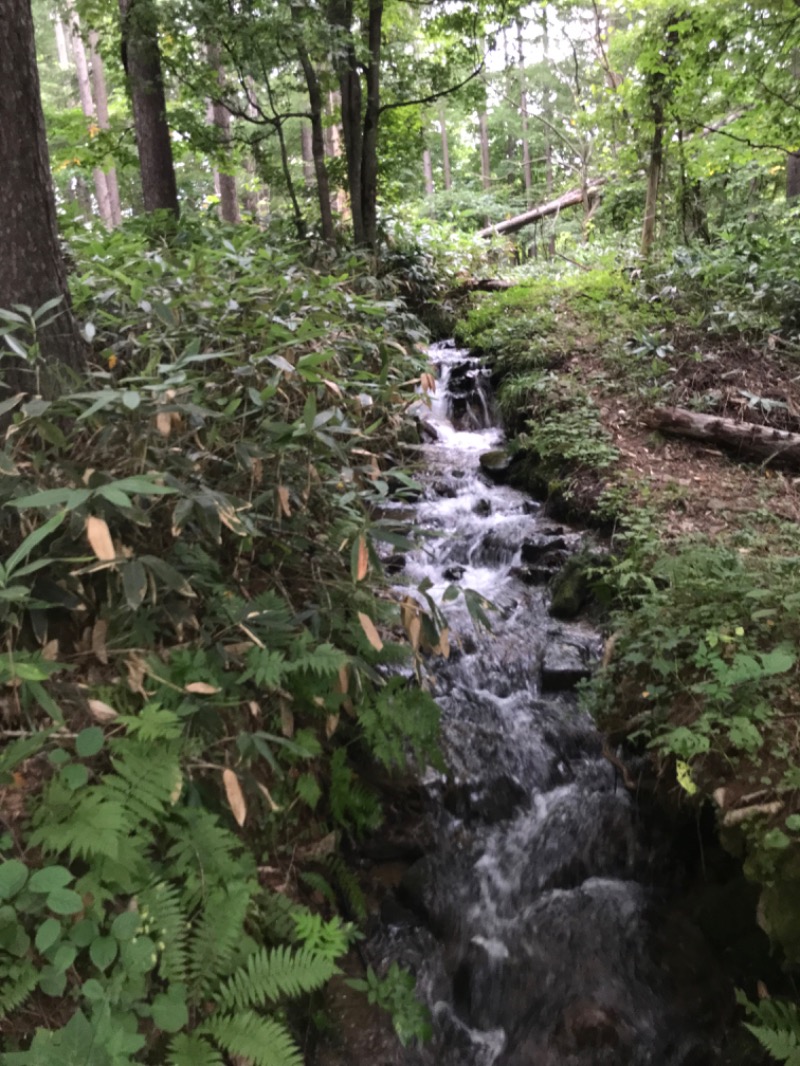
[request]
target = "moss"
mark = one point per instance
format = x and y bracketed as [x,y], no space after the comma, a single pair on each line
[574,586]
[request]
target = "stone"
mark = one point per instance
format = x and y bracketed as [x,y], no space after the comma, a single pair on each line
[573,586]
[563,666]
[495,464]
[533,548]
[483,508]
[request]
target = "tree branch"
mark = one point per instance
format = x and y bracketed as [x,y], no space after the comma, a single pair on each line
[434,96]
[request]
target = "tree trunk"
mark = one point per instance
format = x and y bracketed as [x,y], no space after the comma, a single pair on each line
[346,61]
[143,66]
[87,106]
[792,175]
[447,173]
[483,125]
[427,171]
[527,176]
[221,117]
[101,104]
[745,438]
[306,154]
[653,177]
[369,142]
[573,198]
[31,268]
[548,142]
[317,142]
[61,43]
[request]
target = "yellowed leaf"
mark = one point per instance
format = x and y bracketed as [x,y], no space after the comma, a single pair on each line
[254,709]
[177,789]
[99,632]
[331,725]
[283,500]
[427,382]
[101,712]
[343,680]
[99,538]
[164,423]
[273,806]
[414,630]
[443,647]
[363,559]
[320,848]
[332,386]
[370,632]
[201,688]
[137,671]
[233,790]
[287,721]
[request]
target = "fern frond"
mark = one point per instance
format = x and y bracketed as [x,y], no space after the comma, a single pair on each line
[144,779]
[93,826]
[263,1041]
[276,916]
[204,852]
[216,938]
[782,1044]
[188,1049]
[268,975]
[348,885]
[161,907]
[17,982]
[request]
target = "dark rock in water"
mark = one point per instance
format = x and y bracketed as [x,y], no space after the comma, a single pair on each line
[441,488]
[457,473]
[394,563]
[563,666]
[455,573]
[533,575]
[417,885]
[427,431]
[482,508]
[492,801]
[533,548]
[495,464]
[573,587]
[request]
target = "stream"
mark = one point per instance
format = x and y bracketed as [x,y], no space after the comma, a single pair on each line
[541,922]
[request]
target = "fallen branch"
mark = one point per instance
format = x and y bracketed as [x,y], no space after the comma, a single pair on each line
[745,438]
[485,285]
[552,207]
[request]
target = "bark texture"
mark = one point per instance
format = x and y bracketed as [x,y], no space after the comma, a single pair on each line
[792,175]
[447,173]
[101,103]
[31,267]
[87,106]
[317,145]
[143,66]
[224,183]
[744,438]
[427,172]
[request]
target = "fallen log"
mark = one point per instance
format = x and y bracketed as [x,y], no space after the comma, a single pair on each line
[745,438]
[485,285]
[552,207]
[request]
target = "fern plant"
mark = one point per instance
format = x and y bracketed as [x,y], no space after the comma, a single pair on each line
[776,1025]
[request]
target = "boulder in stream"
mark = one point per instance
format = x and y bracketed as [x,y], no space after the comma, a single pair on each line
[496,464]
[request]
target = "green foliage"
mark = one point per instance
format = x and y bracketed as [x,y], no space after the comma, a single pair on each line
[395,993]
[776,1025]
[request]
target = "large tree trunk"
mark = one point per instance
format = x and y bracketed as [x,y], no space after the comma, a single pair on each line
[31,267]
[369,142]
[347,68]
[792,175]
[101,103]
[653,177]
[87,106]
[745,438]
[143,67]
[447,173]
[427,172]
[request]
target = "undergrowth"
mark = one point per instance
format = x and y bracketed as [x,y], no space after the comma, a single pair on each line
[198,657]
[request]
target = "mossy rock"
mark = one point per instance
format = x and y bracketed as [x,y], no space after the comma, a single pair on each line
[574,587]
[496,464]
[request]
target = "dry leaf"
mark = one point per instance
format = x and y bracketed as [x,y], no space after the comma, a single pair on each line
[319,849]
[343,680]
[363,559]
[201,688]
[137,671]
[370,632]
[233,790]
[273,806]
[287,721]
[99,632]
[100,540]
[50,651]
[331,725]
[414,630]
[254,709]
[283,500]
[332,386]
[101,712]
[443,647]
[177,789]
[164,423]
[427,382]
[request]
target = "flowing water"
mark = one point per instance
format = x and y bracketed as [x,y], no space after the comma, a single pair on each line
[539,922]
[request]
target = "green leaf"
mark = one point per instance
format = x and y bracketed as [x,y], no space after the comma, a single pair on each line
[793,822]
[134,583]
[64,957]
[126,925]
[83,932]
[778,661]
[33,540]
[47,934]
[52,982]
[103,951]
[49,878]
[64,901]
[170,1012]
[13,875]
[142,485]
[72,498]
[89,741]
[75,776]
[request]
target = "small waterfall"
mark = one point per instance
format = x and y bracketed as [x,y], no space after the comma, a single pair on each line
[538,920]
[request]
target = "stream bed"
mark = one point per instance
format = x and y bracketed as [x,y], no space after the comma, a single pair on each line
[540,922]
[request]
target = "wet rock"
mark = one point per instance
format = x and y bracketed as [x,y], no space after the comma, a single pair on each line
[441,488]
[427,431]
[563,666]
[490,802]
[455,573]
[482,508]
[495,464]
[574,586]
[416,886]
[394,563]
[543,544]
[586,1025]
[533,575]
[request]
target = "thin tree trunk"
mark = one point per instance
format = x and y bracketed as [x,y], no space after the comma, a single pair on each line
[448,177]
[101,104]
[548,143]
[143,67]
[317,138]
[341,17]
[486,177]
[427,171]
[87,106]
[305,152]
[527,176]
[792,175]
[369,143]
[653,176]
[61,43]
[221,116]
[31,267]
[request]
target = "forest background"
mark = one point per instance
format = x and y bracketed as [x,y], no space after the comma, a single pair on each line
[229,231]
